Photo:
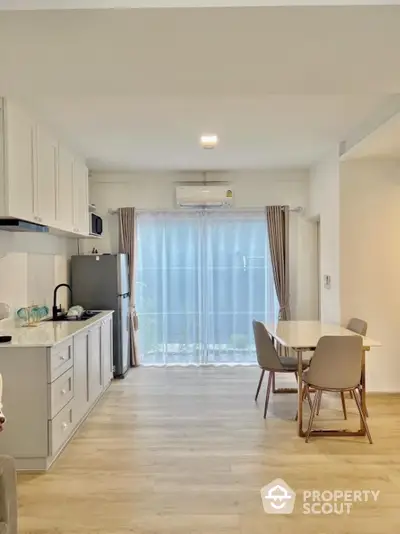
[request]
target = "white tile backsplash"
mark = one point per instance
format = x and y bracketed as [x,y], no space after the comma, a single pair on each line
[31,265]
[40,282]
[13,279]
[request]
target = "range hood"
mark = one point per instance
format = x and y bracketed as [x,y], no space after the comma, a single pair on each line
[18,225]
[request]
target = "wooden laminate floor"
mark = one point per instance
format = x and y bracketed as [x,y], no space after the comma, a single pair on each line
[186,451]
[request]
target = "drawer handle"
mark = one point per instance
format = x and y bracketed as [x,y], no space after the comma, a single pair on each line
[64,426]
[63,391]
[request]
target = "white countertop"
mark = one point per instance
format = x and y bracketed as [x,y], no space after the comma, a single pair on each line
[46,333]
[298,334]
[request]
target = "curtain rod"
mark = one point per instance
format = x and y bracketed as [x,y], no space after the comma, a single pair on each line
[297,209]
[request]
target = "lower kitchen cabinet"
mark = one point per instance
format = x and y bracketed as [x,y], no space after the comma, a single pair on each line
[107,363]
[95,378]
[81,375]
[49,391]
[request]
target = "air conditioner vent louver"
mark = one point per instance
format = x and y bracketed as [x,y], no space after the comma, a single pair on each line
[211,195]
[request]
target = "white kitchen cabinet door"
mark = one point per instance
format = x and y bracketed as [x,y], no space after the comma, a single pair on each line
[20,146]
[95,368]
[106,351]
[81,198]
[65,207]
[46,177]
[81,376]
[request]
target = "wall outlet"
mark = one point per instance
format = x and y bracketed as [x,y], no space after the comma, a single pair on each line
[327,281]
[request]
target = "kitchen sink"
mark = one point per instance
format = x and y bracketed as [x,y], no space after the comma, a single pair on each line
[84,317]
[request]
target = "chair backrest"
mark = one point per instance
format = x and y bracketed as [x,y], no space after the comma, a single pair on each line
[267,356]
[336,363]
[358,326]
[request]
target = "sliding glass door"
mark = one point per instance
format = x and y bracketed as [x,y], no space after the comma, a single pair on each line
[202,277]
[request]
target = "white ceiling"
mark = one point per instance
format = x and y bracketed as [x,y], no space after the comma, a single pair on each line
[163,133]
[384,142]
[135,89]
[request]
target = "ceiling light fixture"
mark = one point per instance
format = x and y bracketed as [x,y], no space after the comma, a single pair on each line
[209,140]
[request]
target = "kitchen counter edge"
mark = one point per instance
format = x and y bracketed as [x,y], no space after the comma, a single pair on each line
[48,333]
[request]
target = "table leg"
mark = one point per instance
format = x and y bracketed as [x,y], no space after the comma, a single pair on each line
[363,392]
[300,431]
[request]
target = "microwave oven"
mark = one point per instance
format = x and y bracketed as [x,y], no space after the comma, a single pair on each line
[96,224]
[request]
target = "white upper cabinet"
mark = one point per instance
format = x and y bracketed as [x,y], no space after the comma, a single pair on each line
[81,198]
[65,199]
[42,180]
[19,169]
[46,177]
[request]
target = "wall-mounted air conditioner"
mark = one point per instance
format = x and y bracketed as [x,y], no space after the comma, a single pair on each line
[211,195]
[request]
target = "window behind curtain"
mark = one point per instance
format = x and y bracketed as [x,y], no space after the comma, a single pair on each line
[202,277]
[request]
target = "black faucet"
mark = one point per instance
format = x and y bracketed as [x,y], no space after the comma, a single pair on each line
[57,309]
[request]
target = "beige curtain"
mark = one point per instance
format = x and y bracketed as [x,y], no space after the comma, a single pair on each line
[127,244]
[278,235]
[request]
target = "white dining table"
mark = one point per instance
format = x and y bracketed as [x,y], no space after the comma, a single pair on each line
[303,336]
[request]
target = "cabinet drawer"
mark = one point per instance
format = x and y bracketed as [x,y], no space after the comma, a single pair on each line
[60,428]
[61,392]
[60,359]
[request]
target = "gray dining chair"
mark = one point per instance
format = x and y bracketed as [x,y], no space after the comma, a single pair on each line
[336,366]
[269,360]
[359,326]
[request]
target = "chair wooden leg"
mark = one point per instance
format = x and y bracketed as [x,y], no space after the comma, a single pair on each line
[259,384]
[319,395]
[362,415]
[312,415]
[351,395]
[366,409]
[343,404]
[306,395]
[270,380]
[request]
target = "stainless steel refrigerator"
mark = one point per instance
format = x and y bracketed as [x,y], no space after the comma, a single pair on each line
[101,282]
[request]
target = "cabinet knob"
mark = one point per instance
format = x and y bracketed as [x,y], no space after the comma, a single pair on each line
[63,391]
[64,426]
[63,357]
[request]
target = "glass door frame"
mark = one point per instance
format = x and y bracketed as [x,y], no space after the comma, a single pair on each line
[204,216]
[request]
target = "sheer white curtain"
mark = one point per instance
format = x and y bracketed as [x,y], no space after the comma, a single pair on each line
[202,277]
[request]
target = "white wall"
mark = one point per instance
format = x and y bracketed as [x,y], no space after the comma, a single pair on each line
[155,191]
[370,261]
[325,206]
[31,265]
